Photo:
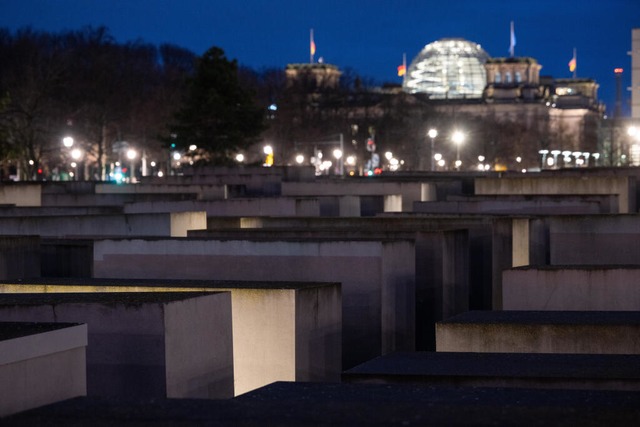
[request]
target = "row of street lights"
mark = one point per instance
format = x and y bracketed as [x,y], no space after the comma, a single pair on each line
[457,137]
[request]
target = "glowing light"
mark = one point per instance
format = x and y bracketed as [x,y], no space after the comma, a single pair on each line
[76,154]
[437,157]
[131,154]
[351,160]
[267,149]
[618,70]
[519,159]
[432,133]
[388,155]
[177,156]
[481,159]
[239,157]
[31,162]
[160,174]
[441,162]
[457,137]
[67,141]
[299,159]
[153,164]
[337,153]
[193,147]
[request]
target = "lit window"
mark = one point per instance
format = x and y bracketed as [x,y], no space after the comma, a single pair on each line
[518,77]
[498,78]
[507,77]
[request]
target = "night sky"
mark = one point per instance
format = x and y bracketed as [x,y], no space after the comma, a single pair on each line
[368,36]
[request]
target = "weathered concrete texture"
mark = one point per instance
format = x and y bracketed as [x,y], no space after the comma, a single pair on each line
[265,206]
[41,363]
[202,191]
[454,254]
[160,224]
[144,344]
[602,332]
[106,200]
[66,257]
[595,240]
[523,370]
[520,205]
[402,194]
[18,211]
[624,187]
[286,404]
[20,194]
[572,288]
[281,331]
[378,278]
[19,257]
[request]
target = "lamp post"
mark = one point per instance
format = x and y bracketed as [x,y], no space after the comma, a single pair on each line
[337,153]
[432,134]
[131,155]
[458,138]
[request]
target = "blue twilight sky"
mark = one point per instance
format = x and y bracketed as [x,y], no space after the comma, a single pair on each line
[368,36]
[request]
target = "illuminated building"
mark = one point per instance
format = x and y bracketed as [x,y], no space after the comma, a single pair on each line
[448,69]
[517,113]
[635,73]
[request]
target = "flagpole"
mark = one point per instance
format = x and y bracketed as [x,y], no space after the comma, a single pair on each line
[512,41]
[311,46]
[575,58]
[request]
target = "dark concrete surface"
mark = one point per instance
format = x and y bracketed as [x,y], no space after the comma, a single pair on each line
[307,404]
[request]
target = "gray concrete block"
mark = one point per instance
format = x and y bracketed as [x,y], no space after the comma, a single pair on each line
[601,332]
[143,344]
[41,363]
[281,331]
[522,370]
[572,288]
[296,404]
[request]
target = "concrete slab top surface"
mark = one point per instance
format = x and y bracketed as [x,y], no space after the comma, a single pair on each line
[591,318]
[577,267]
[512,365]
[11,330]
[169,283]
[123,298]
[306,404]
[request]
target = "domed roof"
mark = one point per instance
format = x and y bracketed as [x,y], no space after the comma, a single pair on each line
[448,69]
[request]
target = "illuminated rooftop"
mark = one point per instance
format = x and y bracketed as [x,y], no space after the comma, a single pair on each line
[448,69]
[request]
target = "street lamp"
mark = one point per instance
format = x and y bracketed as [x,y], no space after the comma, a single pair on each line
[337,153]
[67,141]
[131,155]
[76,154]
[268,152]
[432,134]
[458,138]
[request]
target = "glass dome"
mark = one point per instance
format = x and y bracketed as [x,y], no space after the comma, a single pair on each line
[448,69]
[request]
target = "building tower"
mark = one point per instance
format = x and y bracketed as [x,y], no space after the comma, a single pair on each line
[635,73]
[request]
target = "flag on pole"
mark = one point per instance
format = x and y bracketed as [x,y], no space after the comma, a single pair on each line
[312,46]
[512,44]
[573,64]
[402,69]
